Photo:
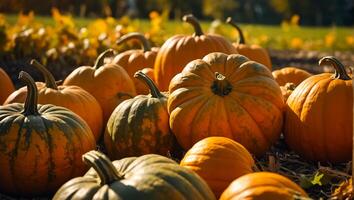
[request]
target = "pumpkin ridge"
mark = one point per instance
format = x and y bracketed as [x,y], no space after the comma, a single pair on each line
[259,133]
[200,110]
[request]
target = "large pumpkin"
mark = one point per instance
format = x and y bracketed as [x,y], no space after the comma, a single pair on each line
[253,52]
[179,50]
[6,86]
[40,145]
[136,59]
[290,75]
[150,177]
[263,186]
[72,97]
[319,116]
[109,84]
[219,161]
[226,95]
[139,126]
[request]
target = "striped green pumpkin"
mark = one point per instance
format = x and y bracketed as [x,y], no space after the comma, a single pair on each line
[139,126]
[149,177]
[40,145]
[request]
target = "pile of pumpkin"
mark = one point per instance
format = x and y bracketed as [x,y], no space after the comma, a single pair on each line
[221,104]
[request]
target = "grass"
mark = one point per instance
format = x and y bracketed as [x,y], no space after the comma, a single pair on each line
[269,36]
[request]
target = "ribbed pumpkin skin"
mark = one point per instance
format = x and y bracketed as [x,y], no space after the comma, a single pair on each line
[262,186]
[290,75]
[139,126]
[6,86]
[219,161]
[109,84]
[250,112]
[149,177]
[255,53]
[41,152]
[319,121]
[135,60]
[71,97]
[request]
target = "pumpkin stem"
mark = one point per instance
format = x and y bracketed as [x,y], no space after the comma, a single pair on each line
[102,165]
[221,86]
[192,20]
[137,36]
[48,77]
[155,92]
[100,58]
[240,33]
[340,72]
[30,107]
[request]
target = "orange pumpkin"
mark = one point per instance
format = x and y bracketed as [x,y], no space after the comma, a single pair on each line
[253,52]
[263,186]
[6,86]
[219,161]
[287,89]
[110,84]
[136,59]
[290,75]
[226,95]
[72,97]
[179,50]
[41,145]
[319,117]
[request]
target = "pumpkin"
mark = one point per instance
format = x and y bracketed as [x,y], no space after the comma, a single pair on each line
[6,86]
[287,89]
[149,177]
[136,59]
[319,117]
[290,75]
[263,186]
[73,98]
[109,84]
[139,126]
[41,145]
[253,52]
[219,161]
[179,50]
[226,95]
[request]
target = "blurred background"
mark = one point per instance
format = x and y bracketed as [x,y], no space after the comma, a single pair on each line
[312,12]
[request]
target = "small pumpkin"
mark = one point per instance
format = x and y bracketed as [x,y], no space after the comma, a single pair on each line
[253,52]
[219,161]
[263,186]
[136,59]
[319,117]
[73,98]
[6,86]
[110,84]
[290,75]
[41,145]
[229,96]
[287,89]
[139,126]
[149,177]
[179,50]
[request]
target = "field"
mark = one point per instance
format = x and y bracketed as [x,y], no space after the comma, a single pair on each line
[288,35]
[62,43]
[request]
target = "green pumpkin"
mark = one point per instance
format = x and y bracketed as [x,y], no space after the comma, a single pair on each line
[140,125]
[40,145]
[147,177]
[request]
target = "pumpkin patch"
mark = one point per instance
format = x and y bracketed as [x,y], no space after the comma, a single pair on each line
[149,102]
